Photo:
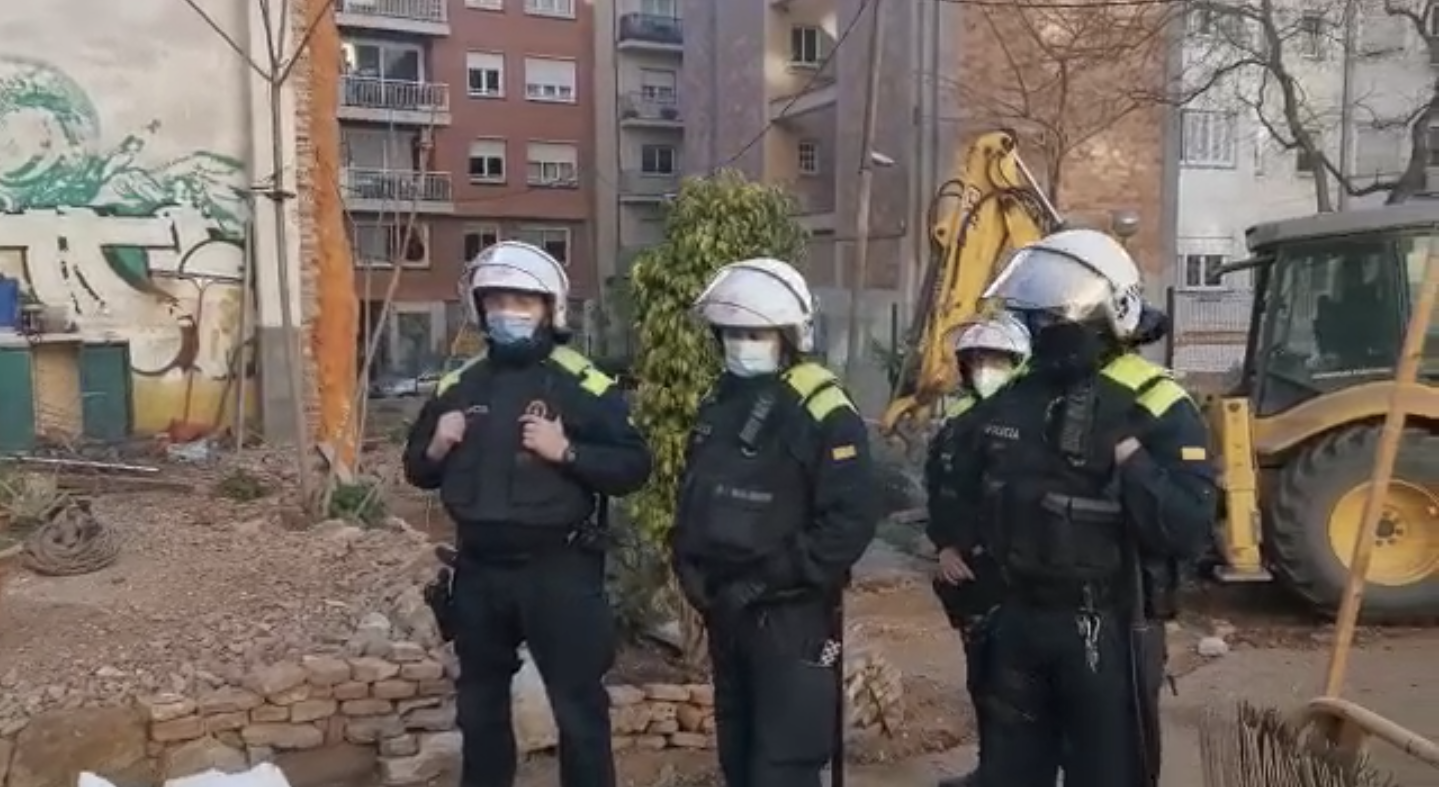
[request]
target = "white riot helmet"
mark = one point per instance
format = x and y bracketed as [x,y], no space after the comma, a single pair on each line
[1001,333]
[760,293]
[517,267]
[1075,276]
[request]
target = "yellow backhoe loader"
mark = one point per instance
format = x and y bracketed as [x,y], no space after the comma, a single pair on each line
[1296,438]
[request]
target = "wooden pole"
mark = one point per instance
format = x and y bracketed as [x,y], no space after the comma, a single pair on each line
[1404,376]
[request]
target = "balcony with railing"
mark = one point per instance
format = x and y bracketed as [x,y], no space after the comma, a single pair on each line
[398,191]
[650,110]
[651,31]
[394,101]
[639,186]
[423,17]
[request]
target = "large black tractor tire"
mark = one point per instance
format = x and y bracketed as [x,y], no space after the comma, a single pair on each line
[1403,582]
[1403,586]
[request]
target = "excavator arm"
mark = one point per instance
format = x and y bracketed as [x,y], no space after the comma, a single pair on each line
[975,220]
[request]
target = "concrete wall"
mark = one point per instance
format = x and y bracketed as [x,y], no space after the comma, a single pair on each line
[126,142]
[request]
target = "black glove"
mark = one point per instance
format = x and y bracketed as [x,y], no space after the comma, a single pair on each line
[735,598]
[440,597]
[692,585]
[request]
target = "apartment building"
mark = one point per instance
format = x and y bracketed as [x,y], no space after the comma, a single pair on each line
[472,117]
[640,48]
[1235,173]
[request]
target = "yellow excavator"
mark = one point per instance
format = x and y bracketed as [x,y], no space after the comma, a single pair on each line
[1296,438]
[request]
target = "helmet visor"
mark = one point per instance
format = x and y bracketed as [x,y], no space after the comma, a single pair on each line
[1038,279]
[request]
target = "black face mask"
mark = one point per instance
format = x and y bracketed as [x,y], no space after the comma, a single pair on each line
[1068,351]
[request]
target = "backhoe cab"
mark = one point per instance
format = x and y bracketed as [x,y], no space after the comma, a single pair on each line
[1297,438]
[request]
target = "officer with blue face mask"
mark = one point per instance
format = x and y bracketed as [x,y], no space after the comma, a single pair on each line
[524,444]
[776,504]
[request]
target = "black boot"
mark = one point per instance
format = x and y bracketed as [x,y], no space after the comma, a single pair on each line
[970,779]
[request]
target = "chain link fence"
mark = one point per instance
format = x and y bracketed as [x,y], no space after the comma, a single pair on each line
[1208,331]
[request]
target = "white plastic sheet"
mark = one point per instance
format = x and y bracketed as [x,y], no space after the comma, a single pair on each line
[262,775]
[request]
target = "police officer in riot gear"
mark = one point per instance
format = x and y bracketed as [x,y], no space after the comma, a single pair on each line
[524,443]
[968,584]
[1091,478]
[775,506]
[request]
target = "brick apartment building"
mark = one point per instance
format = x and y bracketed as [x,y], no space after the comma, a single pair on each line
[477,118]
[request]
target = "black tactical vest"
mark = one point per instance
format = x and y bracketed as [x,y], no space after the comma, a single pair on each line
[1054,521]
[491,477]
[746,489]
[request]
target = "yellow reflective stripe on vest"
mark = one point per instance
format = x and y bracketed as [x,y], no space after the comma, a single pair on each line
[450,378]
[591,379]
[959,407]
[818,388]
[1161,392]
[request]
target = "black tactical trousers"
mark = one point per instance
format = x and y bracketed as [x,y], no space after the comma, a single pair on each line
[1059,696]
[776,703]
[556,604]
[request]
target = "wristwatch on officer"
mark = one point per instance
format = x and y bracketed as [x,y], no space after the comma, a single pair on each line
[568,457]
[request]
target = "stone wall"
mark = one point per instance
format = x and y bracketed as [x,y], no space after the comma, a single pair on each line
[402,704]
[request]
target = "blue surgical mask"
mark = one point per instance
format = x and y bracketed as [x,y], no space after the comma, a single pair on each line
[510,327]
[747,358]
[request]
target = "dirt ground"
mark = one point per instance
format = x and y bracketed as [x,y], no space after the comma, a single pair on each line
[1278,657]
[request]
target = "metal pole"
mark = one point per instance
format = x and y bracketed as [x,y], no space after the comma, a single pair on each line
[1388,450]
[278,196]
[860,270]
[1346,109]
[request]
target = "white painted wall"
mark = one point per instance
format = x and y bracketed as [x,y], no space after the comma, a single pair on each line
[138,127]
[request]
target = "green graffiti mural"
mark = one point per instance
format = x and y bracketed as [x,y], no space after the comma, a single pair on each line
[53,154]
[134,245]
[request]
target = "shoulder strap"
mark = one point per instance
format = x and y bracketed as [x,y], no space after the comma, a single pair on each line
[959,407]
[591,378]
[819,390]
[1153,385]
[451,378]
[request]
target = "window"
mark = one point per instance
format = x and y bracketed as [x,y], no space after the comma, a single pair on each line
[486,5]
[808,157]
[486,74]
[478,238]
[1208,138]
[1311,35]
[1201,271]
[373,60]
[1216,23]
[806,45]
[657,159]
[657,86]
[487,161]
[561,8]
[666,8]
[552,164]
[554,240]
[547,79]
[379,245]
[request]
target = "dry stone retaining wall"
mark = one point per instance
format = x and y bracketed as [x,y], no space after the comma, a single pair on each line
[402,704]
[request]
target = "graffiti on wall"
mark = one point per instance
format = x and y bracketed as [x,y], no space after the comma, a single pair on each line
[136,247]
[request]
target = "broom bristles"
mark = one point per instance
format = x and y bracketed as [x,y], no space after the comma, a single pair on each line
[1256,747]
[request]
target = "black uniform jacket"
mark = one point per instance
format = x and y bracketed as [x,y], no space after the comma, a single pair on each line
[1167,487]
